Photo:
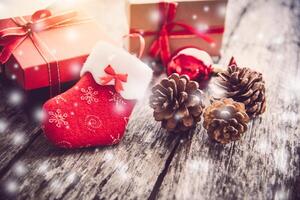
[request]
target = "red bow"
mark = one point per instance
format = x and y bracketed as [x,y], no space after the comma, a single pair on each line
[12,37]
[161,45]
[111,74]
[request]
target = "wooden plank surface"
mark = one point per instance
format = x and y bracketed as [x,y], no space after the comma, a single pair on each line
[149,163]
[17,130]
[265,163]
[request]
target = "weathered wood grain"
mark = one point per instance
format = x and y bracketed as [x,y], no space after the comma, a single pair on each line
[17,130]
[265,163]
[128,170]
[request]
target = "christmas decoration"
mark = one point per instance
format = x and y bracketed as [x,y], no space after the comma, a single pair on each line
[246,86]
[169,26]
[195,63]
[96,110]
[225,120]
[34,47]
[177,103]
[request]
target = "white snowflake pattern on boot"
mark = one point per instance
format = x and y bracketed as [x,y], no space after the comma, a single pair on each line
[58,118]
[115,140]
[89,95]
[116,99]
[59,99]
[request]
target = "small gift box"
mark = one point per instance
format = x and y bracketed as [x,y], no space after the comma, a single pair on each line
[47,49]
[170,26]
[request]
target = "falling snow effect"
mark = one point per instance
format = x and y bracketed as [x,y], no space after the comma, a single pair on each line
[155,16]
[11,186]
[43,167]
[222,10]
[39,114]
[75,69]
[290,88]
[202,27]
[108,156]
[56,185]
[198,166]
[122,169]
[72,177]
[15,98]
[19,169]
[18,138]
[72,35]
[3,125]
[215,90]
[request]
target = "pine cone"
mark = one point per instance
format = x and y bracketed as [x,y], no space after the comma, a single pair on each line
[246,86]
[225,120]
[177,103]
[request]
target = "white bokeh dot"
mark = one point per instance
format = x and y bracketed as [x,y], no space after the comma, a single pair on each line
[54,51]
[39,114]
[15,97]
[222,10]
[72,35]
[75,69]
[43,167]
[11,186]
[19,169]
[206,8]
[18,138]
[3,125]
[155,16]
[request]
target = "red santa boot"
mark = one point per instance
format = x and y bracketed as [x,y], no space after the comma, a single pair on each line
[96,110]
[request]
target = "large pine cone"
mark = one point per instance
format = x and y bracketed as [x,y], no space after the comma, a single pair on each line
[177,103]
[225,120]
[246,86]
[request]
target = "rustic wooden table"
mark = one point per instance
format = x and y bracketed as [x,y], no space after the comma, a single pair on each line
[149,163]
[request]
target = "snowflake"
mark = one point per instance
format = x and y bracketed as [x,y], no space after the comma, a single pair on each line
[115,140]
[116,99]
[58,118]
[59,99]
[126,119]
[89,95]
[64,144]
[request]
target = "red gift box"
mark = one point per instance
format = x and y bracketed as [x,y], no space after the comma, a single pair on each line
[169,26]
[47,49]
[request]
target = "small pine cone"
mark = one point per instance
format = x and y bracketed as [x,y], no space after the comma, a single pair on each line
[177,103]
[245,86]
[225,120]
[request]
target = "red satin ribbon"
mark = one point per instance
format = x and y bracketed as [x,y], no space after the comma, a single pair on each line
[111,74]
[160,46]
[12,37]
